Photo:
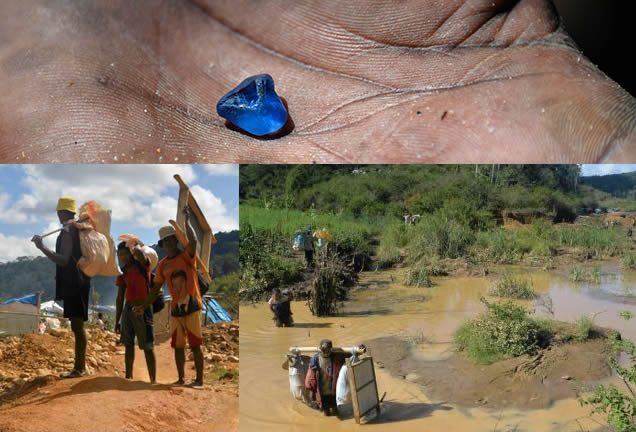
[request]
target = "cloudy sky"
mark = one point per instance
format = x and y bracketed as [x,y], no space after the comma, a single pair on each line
[142,199]
[590,170]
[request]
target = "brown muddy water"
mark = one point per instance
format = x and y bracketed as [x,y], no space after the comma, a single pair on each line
[382,306]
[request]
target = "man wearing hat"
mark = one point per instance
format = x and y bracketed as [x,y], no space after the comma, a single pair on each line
[71,285]
[179,271]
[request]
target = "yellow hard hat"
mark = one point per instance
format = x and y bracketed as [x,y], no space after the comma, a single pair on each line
[66,203]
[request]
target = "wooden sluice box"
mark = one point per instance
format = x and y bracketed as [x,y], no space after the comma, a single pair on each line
[363,387]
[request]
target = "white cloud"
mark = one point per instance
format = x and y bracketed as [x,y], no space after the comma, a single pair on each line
[605,169]
[139,196]
[213,209]
[160,211]
[12,247]
[133,192]
[222,169]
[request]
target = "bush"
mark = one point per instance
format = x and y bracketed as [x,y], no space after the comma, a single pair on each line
[513,287]
[585,274]
[393,238]
[618,405]
[331,277]
[441,237]
[584,328]
[501,246]
[419,276]
[251,287]
[505,329]
[629,261]
[592,242]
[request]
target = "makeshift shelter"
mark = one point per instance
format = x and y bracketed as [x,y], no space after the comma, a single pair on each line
[19,316]
[213,312]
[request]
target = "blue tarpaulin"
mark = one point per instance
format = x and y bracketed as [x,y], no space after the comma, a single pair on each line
[213,312]
[30,299]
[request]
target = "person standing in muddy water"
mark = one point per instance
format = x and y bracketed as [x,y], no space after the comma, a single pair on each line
[71,285]
[133,286]
[322,377]
[179,271]
[280,306]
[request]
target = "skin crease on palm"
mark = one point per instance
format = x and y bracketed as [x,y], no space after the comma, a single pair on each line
[365,81]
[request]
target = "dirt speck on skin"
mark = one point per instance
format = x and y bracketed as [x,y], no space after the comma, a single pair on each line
[526,382]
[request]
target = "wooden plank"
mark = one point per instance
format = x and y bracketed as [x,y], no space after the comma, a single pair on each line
[377,394]
[199,224]
[313,350]
[353,389]
[364,388]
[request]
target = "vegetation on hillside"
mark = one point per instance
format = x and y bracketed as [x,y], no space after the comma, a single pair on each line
[461,210]
[26,275]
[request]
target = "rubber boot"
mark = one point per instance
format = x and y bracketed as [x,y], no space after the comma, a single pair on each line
[151,362]
[198,363]
[129,359]
[77,326]
[179,358]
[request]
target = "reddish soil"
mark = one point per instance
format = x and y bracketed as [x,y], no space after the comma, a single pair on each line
[105,401]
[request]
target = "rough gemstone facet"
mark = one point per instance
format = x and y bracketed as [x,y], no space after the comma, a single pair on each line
[254,106]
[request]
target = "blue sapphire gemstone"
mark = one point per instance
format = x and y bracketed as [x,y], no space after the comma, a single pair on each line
[254,106]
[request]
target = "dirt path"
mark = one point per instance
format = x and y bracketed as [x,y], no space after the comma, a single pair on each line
[108,402]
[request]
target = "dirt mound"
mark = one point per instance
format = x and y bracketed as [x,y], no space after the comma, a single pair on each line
[526,382]
[25,360]
[222,342]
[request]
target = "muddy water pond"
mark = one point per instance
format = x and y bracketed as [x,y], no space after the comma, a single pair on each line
[382,307]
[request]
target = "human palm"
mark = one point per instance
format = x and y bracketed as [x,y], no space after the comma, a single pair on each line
[366,81]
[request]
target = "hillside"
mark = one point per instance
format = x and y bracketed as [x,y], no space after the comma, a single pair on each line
[28,274]
[620,185]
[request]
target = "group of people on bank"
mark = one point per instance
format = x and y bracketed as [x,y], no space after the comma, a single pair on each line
[138,292]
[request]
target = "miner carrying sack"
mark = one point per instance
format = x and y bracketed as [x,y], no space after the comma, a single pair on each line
[71,285]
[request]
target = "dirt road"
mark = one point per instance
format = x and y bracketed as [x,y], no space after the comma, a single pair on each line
[106,401]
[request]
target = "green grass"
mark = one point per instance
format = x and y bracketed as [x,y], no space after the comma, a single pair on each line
[419,276]
[629,261]
[348,234]
[584,328]
[626,315]
[221,373]
[266,256]
[541,240]
[392,239]
[509,286]
[585,274]
[439,236]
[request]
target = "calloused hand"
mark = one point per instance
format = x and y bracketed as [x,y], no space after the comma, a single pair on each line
[383,81]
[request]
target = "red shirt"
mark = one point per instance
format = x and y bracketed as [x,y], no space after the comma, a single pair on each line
[136,284]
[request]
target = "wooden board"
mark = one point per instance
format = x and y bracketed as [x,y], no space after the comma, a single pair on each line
[200,226]
[364,388]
